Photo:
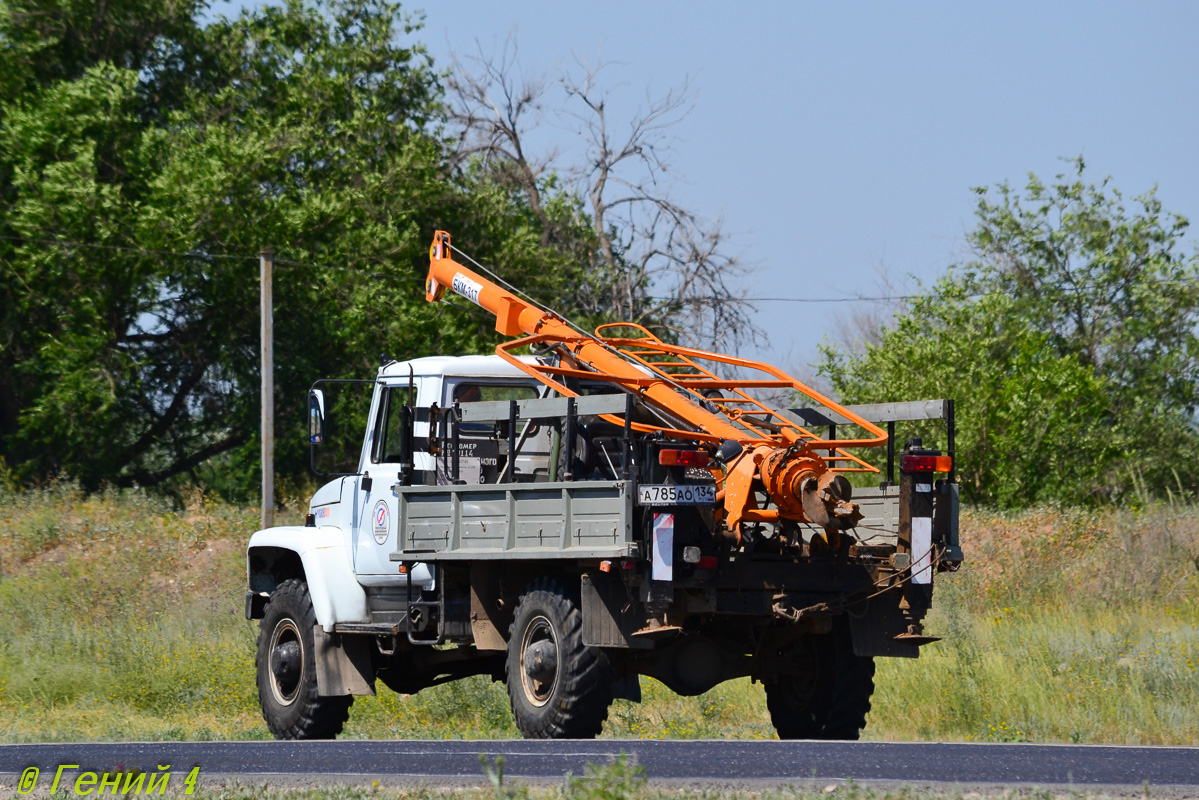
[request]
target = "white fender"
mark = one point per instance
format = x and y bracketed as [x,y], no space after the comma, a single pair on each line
[328,568]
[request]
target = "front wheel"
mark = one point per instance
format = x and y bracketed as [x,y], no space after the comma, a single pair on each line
[286,666]
[559,688]
[828,696]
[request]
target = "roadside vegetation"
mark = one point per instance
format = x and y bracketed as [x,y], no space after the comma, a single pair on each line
[123,620]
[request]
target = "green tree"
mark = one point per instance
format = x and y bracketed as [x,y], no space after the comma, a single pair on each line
[132,128]
[1068,342]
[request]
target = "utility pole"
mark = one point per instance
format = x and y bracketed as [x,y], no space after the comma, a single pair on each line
[266,259]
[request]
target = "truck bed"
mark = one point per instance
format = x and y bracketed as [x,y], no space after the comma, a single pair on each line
[592,519]
[586,519]
[583,519]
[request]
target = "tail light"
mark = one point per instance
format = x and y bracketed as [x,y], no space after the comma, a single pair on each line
[918,463]
[683,458]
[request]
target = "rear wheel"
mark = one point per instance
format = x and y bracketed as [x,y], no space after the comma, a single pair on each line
[829,696]
[559,688]
[286,666]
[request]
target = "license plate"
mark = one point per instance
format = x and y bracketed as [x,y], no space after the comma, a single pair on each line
[672,495]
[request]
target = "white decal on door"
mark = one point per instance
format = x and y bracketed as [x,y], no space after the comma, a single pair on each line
[379,524]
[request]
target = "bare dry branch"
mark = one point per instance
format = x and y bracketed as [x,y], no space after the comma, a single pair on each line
[654,262]
[494,110]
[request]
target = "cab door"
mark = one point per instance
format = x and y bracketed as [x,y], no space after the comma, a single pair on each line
[376,528]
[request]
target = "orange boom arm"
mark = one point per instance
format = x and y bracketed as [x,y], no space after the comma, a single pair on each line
[514,317]
[697,402]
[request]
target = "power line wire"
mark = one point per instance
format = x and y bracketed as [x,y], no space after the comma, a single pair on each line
[200,256]
[124,249]
[385,276]
[818,299]
[203,256]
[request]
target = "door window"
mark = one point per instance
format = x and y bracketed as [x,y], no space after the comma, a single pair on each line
[391,426]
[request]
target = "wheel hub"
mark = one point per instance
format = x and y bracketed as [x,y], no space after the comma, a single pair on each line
[539,661]
[286,662]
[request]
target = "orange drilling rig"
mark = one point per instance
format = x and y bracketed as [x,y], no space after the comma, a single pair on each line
[800,471]
[604,506]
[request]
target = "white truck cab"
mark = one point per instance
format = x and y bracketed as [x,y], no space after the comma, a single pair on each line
[356,515]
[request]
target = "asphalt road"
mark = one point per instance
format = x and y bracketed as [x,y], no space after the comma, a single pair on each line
[726,762]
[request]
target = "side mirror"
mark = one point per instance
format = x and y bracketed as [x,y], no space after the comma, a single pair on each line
[316,416]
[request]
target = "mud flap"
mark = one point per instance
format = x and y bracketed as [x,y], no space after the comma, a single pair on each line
[343,664]
[609,615]
[486,620]
[875,627]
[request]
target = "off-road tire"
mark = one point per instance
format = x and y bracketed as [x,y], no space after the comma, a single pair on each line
[572,702]
[833,705]
[287,692]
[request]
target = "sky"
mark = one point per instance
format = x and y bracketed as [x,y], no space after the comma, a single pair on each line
[839,141]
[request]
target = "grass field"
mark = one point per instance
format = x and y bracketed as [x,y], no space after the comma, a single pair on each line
[122,618]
